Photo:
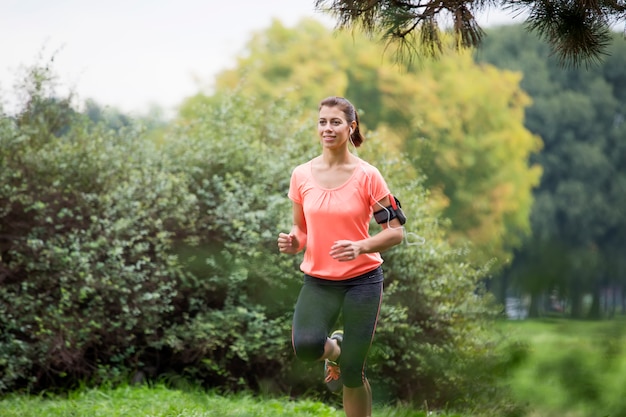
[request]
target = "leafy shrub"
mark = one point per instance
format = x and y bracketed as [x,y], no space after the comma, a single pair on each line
[88,222]
[120,253]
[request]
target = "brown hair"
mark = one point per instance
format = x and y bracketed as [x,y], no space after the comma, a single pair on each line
[348,109]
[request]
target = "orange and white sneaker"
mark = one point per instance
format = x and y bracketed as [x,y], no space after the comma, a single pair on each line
[332,371]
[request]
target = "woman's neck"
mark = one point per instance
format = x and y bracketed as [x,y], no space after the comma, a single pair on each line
[335,158]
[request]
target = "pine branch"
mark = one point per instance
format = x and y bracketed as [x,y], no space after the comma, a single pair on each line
[577,30]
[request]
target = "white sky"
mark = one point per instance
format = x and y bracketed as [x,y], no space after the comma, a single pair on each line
[133,53]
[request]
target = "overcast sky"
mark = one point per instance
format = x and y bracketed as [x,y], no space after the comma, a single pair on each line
[133,53]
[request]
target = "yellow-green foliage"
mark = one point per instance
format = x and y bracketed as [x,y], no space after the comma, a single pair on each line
[459,123]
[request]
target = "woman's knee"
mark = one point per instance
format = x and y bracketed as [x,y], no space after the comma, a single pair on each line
[353,376]
[309,348]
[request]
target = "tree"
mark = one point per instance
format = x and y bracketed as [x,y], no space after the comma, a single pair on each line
[475,152]
[460,124]
[577,30]
[578,220]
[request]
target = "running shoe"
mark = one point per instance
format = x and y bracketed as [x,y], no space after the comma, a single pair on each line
[332,371]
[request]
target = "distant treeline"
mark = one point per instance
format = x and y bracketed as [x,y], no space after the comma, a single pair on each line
[573,262]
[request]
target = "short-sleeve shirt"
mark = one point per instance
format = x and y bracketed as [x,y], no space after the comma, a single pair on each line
[341,213]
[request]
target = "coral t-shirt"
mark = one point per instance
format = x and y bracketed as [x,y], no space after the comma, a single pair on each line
[341,213]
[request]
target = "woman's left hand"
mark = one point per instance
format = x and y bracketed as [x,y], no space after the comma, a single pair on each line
[345,250]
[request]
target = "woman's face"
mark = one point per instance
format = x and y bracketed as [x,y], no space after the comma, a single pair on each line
[332,127]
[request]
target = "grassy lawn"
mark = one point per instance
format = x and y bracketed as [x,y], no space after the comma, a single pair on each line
[574,368]
[162,402]
[156,402]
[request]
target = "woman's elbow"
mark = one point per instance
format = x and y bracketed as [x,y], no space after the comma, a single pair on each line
[398,235]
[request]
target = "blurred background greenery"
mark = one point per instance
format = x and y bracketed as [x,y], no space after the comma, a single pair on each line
[143,249]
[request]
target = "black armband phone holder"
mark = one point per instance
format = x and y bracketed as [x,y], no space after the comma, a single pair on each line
[394,211]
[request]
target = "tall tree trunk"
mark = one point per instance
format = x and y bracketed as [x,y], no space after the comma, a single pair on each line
[576,299]
[610,299]
[533,309]
[594,311]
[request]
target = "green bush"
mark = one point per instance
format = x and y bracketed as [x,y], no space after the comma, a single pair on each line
[122,253]
[88,222]
[102,237]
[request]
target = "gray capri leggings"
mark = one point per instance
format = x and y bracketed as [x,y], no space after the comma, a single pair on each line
[318,307]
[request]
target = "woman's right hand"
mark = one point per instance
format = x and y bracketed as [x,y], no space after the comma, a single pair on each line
[288,243]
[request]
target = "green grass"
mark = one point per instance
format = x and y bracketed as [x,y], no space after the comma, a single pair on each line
[143,401]
[573,369]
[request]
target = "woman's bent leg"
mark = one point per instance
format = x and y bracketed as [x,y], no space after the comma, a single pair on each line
[316,311]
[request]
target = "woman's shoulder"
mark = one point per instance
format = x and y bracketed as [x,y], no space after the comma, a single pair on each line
[368,168]
[304,165]
[303,169]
